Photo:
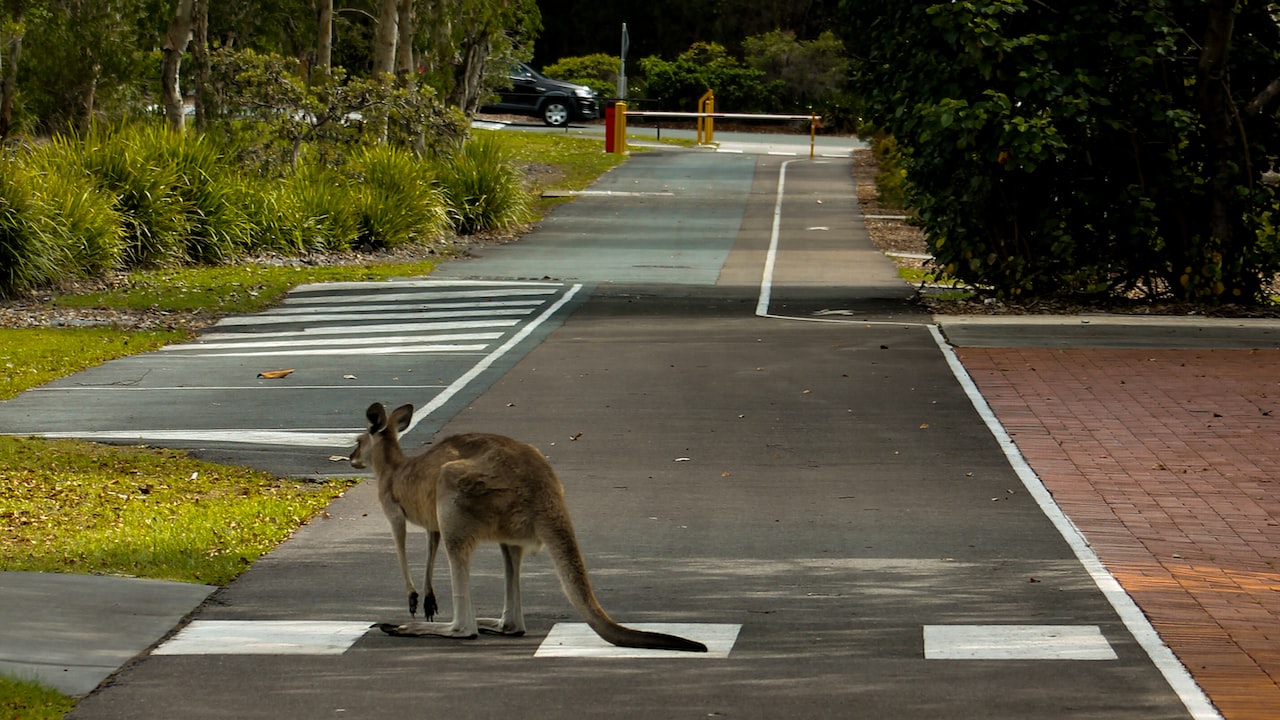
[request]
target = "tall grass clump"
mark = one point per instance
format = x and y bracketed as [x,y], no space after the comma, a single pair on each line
[398,203]
[220,229]
[317,212]
[29,257]
[156,218]
[83,220]
[483,187]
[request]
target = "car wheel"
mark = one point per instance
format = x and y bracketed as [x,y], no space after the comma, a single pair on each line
[555,113]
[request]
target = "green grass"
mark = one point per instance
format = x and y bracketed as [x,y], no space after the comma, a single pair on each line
[26,700]
[72,506]
[229,289]
[30,357]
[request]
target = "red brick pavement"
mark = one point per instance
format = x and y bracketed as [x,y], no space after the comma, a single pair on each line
[1168,462]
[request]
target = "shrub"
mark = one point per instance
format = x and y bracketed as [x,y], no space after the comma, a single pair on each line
[483,187]
[83,221]
[28,256]
[316,203]
[598,72]
[397,202]
[212,196]
[128,164]
[678,84]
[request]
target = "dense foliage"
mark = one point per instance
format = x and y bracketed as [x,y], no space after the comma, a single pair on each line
[142,196]
[665,29]
[1081,148]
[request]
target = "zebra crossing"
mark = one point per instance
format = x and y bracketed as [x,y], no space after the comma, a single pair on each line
[300,375]
[422,316]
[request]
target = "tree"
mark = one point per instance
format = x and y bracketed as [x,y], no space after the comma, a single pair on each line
[11,31]
[324,36]
[175,46]
[384,39]
[1097,148]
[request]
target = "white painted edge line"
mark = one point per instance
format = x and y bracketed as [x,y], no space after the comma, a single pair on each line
[771,259]
[1179,679]
[457,386]
[578,640]
[264,637]
[1016,642]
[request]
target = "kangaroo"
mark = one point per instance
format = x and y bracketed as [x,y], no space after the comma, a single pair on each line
[480,487]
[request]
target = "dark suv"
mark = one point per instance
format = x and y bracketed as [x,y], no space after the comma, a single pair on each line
[556,102]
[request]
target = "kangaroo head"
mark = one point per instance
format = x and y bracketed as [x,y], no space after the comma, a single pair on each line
[383,431]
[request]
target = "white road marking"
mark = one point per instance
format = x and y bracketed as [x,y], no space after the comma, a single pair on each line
[509,287]
[264,637]
[375,329]
[288,438]
[474,372]
[252,341]
[366,308]
[270,318]
[579,640]
[771,258]
[1016,642]
[364,351]
[362,339]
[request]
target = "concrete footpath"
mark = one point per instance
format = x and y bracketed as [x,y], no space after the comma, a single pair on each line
[866,511]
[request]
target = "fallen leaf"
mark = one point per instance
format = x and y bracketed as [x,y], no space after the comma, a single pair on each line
[274,374]
[724,474]
[924,426]
[338,458]
[682,459]
[575,436]
[349,377]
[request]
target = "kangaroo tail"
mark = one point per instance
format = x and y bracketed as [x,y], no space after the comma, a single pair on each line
[572,569]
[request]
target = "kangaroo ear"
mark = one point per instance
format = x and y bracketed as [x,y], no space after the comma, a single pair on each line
[402,416]
[377,416]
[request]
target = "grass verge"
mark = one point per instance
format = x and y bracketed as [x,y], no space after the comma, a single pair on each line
[73,506]
[30,357]
[26,700]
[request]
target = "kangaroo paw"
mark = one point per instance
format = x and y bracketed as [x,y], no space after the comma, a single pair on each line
[413,605]
[429,607]
[490,626]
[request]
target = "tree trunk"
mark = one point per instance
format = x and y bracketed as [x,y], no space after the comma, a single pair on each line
[384,41]
[175,44]
[200,54]
[324,36]
[467,76]
[1221,139]
[406,69]
[9,77]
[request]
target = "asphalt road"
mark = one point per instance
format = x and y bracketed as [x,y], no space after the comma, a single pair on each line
[760,439]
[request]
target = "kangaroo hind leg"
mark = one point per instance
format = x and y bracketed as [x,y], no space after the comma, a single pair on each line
[512,620]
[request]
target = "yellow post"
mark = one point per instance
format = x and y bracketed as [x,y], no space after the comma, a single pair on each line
[703,122]
[711,122]
[620,128]
[813,128]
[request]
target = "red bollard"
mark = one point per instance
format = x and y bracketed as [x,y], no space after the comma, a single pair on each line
[609,131]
